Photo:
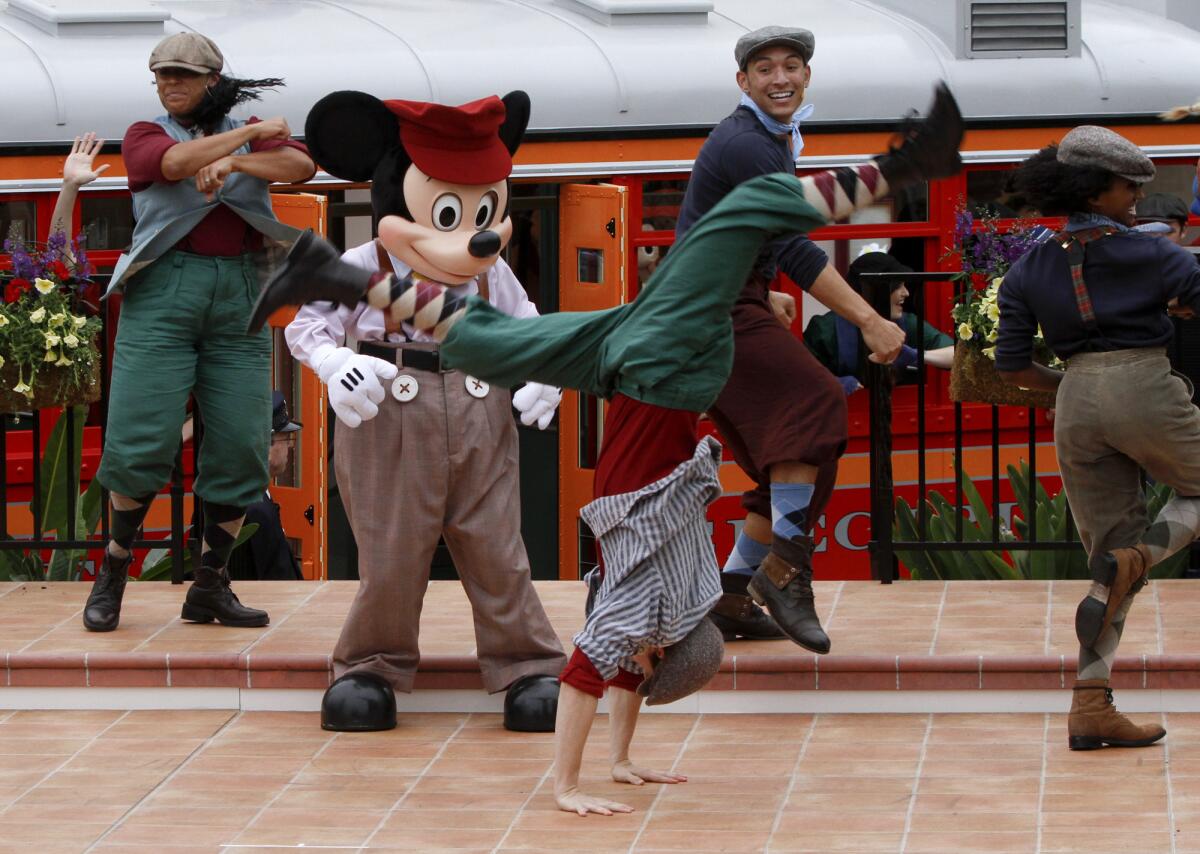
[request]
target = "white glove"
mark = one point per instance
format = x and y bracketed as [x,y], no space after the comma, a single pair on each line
[353,380]
[537,402]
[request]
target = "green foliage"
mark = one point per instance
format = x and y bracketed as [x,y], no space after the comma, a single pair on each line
[1050,515]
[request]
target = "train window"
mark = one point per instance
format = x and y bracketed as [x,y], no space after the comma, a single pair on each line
[660,204]
[589,267]
[107,222]
[17,220]
[988,193]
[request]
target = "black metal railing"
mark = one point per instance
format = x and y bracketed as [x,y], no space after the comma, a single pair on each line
[884,545]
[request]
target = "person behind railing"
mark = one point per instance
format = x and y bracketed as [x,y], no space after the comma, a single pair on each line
[1164,215]
[839,346]
[1100,291]
[203,212]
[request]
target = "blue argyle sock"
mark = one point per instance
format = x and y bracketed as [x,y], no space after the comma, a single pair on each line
[789,509]
[746,555]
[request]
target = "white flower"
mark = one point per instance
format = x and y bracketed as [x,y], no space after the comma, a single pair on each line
[993,313]
[1,361]
[965,332]
[76,319]
[63,361]
[22,388]
[50,355]
[37,316]
[44,286]
[58,319]
[993,334]
[70,340]
[52,340]
[3,323]
[990,352]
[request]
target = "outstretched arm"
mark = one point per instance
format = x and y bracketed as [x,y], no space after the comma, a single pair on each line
[623,708]
[882,337]
[77,172]
[571,727]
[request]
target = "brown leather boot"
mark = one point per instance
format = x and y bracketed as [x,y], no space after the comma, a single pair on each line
[783,584]
[736,615]
[1094,720]
[1121,571]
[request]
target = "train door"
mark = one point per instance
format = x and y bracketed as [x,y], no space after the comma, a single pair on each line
[301,490]
[591,240]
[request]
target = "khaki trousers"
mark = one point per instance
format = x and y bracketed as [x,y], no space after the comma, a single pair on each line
[442,464]
[1116,413]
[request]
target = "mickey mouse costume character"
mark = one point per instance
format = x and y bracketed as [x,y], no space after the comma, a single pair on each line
[424,451]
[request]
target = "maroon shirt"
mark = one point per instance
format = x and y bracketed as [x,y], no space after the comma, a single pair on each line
[222,232]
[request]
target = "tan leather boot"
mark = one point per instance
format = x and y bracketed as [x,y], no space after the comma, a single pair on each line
[1120,570]
[1094,720]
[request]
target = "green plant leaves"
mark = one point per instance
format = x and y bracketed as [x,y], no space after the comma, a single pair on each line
[158,562]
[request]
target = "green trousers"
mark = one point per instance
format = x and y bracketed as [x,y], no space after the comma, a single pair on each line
[673,345]
[183,331]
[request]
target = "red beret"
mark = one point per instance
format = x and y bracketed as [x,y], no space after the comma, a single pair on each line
[460,145]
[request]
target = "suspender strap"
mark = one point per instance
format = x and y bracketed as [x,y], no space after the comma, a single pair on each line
[1074,243]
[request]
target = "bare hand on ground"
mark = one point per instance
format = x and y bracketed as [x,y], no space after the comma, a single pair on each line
[627,772]
[576,801]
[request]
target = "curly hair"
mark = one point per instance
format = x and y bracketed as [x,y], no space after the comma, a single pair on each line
[226,94]
[1059,189]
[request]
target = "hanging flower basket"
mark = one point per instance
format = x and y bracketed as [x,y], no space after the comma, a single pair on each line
[53,386]
[974,379]
[49,355]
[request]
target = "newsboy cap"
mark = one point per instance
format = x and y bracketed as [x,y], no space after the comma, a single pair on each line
[802,40]
[187,50]
[686,667]
[1162,207]
[1100,148]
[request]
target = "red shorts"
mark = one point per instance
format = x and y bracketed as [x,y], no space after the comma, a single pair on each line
[582,674]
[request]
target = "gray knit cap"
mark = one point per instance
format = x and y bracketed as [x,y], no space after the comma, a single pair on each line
[686,667]
[1100,148]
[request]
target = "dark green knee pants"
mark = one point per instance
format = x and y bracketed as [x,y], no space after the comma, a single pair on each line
[183,331]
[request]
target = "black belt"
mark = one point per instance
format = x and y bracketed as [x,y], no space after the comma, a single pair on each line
[420,360]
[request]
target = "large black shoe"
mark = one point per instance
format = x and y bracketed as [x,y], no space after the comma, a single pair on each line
[359,702]
[929,146]
[736,615]
[313,270]
[102,613]
[531,704]
[204,604]
[783,584]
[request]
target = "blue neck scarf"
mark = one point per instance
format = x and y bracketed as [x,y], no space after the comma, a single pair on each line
[1079,221]
[791,129]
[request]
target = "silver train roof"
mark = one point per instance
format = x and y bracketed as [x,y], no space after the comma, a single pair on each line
[70,66]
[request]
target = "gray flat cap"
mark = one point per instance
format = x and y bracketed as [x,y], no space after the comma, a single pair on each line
[187,50]
[802,40]
[1162,207]
[1100,148]
[686,667]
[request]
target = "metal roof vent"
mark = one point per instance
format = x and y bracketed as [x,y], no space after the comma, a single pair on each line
[642,12]
[89,17]
[993,29]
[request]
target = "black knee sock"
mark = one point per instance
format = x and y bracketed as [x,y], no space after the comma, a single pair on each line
[221,525]
[126,522]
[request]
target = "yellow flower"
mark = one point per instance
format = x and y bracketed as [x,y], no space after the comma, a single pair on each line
[50,355]
[71,341]
[965,332]
[52,340]
[76,319]
[993,334]
[64,361]
[22,388]
[44,286]
[990,352]
[3,323]
[58,319]
[1,361]
[37,316]
[993,313]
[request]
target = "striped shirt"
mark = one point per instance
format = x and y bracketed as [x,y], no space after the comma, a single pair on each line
[660,574]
